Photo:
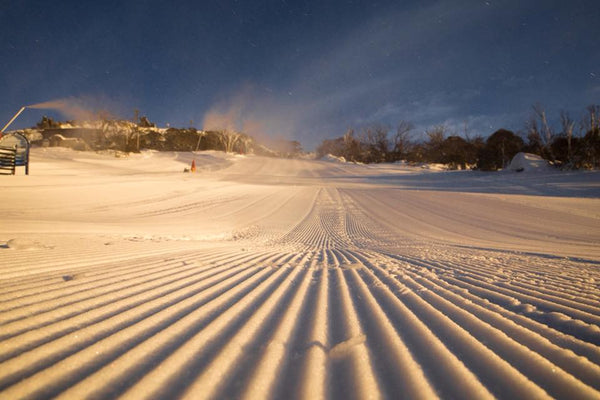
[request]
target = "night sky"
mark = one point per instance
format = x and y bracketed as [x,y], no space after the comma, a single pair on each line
[304,70]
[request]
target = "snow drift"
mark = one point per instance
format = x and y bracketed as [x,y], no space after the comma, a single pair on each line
[527,162]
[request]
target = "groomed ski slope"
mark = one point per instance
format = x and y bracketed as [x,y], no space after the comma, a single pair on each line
[268,278]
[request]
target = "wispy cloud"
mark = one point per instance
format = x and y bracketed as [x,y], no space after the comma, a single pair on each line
[420,64]
[384,70]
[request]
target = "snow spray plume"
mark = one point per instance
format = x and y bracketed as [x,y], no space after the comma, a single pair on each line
[223,118]
[261,117]
[74,108]
[67,107]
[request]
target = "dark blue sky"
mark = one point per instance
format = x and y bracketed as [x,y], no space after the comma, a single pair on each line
[303,69]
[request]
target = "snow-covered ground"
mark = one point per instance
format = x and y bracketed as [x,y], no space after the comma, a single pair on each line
[258,277]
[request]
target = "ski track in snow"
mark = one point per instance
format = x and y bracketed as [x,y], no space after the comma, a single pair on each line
[293,279]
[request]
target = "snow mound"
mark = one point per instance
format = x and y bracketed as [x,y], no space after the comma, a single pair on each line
[527,162]
[332,158]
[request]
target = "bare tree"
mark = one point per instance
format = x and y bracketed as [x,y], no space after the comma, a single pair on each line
[351,149]
[591,140]
[374,143]
[402,139]
[567,127]
[545,132]
[436,133]
[594,118]
[381,141]
[534,138]
[435,142]
[245,142]
[228,139]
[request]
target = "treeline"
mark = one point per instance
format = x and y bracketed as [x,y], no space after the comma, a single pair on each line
[575,145]
[129,136]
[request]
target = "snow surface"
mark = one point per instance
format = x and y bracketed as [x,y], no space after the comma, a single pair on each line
[123,276]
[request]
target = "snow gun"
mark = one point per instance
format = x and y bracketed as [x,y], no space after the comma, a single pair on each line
[11,121]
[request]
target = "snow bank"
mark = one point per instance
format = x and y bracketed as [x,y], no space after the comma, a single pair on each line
[529,163]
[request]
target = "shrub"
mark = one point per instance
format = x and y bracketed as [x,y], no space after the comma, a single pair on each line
[499,149]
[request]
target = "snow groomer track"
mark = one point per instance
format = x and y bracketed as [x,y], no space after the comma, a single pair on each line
[264,278]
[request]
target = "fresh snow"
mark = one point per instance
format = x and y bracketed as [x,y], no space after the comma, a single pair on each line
[123,276]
